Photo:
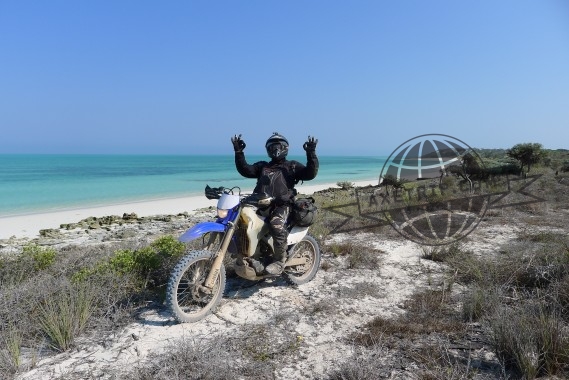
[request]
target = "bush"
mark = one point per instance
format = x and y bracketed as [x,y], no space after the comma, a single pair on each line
[345,185]
[54,296]
[168,246]
[64,315]
[441,253]
[196,360]
[33,259]
[357,255]
[149,266]
[527,154]
[123,261]
[529,341]
[42,257]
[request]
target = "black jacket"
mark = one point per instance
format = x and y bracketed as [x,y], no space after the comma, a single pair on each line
[277,178]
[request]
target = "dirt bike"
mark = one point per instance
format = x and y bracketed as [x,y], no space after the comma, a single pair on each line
[241,230]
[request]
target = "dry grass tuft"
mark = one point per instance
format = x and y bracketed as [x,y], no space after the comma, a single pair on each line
[530,341]
[194,360]
[358,256]
[426,312]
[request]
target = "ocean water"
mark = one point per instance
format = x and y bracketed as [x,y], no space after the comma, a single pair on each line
[38,183]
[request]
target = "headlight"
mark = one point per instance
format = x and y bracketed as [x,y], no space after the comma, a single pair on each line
[222,213]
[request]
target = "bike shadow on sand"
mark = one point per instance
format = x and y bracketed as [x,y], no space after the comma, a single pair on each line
[235,288]
[240,288]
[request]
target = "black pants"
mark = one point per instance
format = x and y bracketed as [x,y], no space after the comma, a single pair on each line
[277,222]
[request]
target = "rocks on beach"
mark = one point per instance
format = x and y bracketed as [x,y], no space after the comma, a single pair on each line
[111,228]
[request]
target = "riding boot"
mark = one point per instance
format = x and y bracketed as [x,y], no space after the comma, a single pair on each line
[279,256]
[277,266]
[280,235]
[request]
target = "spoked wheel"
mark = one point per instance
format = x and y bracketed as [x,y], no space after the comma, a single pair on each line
[303,262]
[189,300]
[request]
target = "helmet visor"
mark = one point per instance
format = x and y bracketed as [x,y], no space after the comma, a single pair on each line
[275,149]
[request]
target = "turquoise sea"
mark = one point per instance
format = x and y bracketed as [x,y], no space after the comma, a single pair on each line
[41,183]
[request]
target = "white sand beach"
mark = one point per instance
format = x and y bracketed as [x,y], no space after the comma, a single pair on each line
[28,226]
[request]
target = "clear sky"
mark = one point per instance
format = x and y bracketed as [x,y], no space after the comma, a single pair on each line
[362,76]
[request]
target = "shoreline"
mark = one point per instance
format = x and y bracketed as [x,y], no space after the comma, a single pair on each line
[29,225]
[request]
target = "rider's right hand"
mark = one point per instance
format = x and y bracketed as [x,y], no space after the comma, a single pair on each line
[238,143]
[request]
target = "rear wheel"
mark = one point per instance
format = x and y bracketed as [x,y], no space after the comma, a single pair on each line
[304,260]
[187,297]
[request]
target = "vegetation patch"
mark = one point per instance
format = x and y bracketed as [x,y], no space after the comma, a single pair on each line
[530,341]
[199,360]
[426,312]
[358,256]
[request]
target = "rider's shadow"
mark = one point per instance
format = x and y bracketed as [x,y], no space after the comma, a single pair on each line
[240,288]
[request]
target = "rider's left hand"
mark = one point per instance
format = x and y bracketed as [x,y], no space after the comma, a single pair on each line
[310,144]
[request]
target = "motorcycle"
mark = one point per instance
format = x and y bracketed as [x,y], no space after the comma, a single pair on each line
[241,230]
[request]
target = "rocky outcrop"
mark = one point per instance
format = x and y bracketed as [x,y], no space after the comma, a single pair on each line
[111,228]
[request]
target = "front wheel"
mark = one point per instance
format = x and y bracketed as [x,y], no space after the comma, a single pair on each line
[187,298]
[303,262]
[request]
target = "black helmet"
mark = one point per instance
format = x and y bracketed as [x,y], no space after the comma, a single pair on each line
[277,146]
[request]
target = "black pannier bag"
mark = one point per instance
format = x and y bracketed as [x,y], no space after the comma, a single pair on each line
[304,211]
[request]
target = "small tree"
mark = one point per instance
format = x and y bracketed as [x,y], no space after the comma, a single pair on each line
[467,169]
[392,181]
[527,154]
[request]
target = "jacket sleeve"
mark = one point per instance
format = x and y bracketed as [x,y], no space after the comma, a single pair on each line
[308,172]
[245,169]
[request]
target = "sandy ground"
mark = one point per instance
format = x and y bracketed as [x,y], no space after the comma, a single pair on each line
[28,226]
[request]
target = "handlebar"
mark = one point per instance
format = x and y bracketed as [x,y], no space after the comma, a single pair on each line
[259,200]
[216,192]
[255,199]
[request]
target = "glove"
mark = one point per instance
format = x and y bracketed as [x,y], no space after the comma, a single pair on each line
[310,144]
[238,143]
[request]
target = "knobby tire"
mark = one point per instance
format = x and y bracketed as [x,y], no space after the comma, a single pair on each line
[187,302]
[301,274]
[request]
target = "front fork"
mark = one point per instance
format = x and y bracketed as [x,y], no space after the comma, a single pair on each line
[218,261]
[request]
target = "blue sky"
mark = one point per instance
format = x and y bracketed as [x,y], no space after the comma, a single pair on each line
[364,76]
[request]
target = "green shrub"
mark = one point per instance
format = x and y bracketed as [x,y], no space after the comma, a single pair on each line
[169,246]
[82,275]
[33,259]
[42,257]
[149,265]
[123,261]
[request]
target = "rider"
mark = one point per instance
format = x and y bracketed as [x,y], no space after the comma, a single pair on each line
[277,179]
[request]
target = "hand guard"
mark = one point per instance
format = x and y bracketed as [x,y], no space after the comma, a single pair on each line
[238,143]
[310,144]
